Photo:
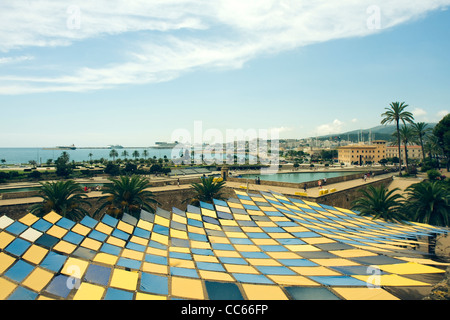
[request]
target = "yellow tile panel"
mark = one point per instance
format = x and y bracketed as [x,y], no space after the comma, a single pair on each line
[215,276]
[211,226]
[214,239]
[155,268]
[155,251]
[147,296]
[6,288]
[57,231]
[91,244]
[123,279]
[409,268]
[351,253]
[181,263]
[225,222]
[29,219]
[103,228]
[80,229]
[209,213]
[390,280]
[236,234]
[293,280]
[65,247]
[179,219]
[315,271]
[132,254]
[264,262]
[178,234]
[238,268]
[5,261]
[38,279]
[145,225]
[161,221]
[88,291]
[106,258]
[335,262]
[247,248]
[160,238]
[116,241]
[364,294]
[227,253]
[202,258]
[139,240]
[5,239]
[187,288]
[74,267]
[194,216]
[125,227]
[318,240]
[263,292]
[35,254]
[52,217]
[200,245]
[301,247]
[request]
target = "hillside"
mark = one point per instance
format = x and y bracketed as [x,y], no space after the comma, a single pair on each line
[378,133]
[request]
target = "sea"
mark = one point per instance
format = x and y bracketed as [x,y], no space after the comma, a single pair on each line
[21,156]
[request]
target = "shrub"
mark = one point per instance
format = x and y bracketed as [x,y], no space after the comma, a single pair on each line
[433,174]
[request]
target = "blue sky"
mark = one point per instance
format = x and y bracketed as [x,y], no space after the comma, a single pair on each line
[133,73]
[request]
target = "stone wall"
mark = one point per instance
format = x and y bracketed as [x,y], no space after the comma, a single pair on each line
[167,199]
[344,198]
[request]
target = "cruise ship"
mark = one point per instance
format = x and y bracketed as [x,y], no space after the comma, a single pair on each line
[72,147]
[164,145]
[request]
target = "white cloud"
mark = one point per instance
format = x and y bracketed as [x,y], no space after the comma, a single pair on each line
[441,114]
[9,60]
[330,128]
[418,112]
[221,34]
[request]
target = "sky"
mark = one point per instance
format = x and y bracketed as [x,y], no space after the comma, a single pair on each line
[95,73]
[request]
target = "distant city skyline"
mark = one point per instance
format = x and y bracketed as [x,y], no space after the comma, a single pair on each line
[133,73]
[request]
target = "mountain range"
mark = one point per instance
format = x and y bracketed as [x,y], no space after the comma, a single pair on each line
[377,133]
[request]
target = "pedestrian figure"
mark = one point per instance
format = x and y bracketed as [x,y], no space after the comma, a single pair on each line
[178,181]
[320,184]
[304,187]
[324,181]
[365,178]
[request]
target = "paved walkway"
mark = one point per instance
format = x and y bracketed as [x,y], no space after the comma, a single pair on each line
[311,192]
[401,183]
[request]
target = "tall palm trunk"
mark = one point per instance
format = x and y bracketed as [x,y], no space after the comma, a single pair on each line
[399,149]
[406,157]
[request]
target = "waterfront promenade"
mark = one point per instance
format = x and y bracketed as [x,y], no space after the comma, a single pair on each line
[314,192]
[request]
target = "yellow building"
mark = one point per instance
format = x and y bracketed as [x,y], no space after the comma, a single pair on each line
[414,152]
[362,153]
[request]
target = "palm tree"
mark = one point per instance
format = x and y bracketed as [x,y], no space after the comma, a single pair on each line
[125,154]
[135,154]
[63,197]
[90,157]
[397,113]
[432,147]
[207,190]
[406,135]
[380,203]
[127,194]
[421,131]
[145,154]
[113,154]
[428,202]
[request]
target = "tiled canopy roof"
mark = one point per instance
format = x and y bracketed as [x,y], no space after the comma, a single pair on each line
[257,246]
